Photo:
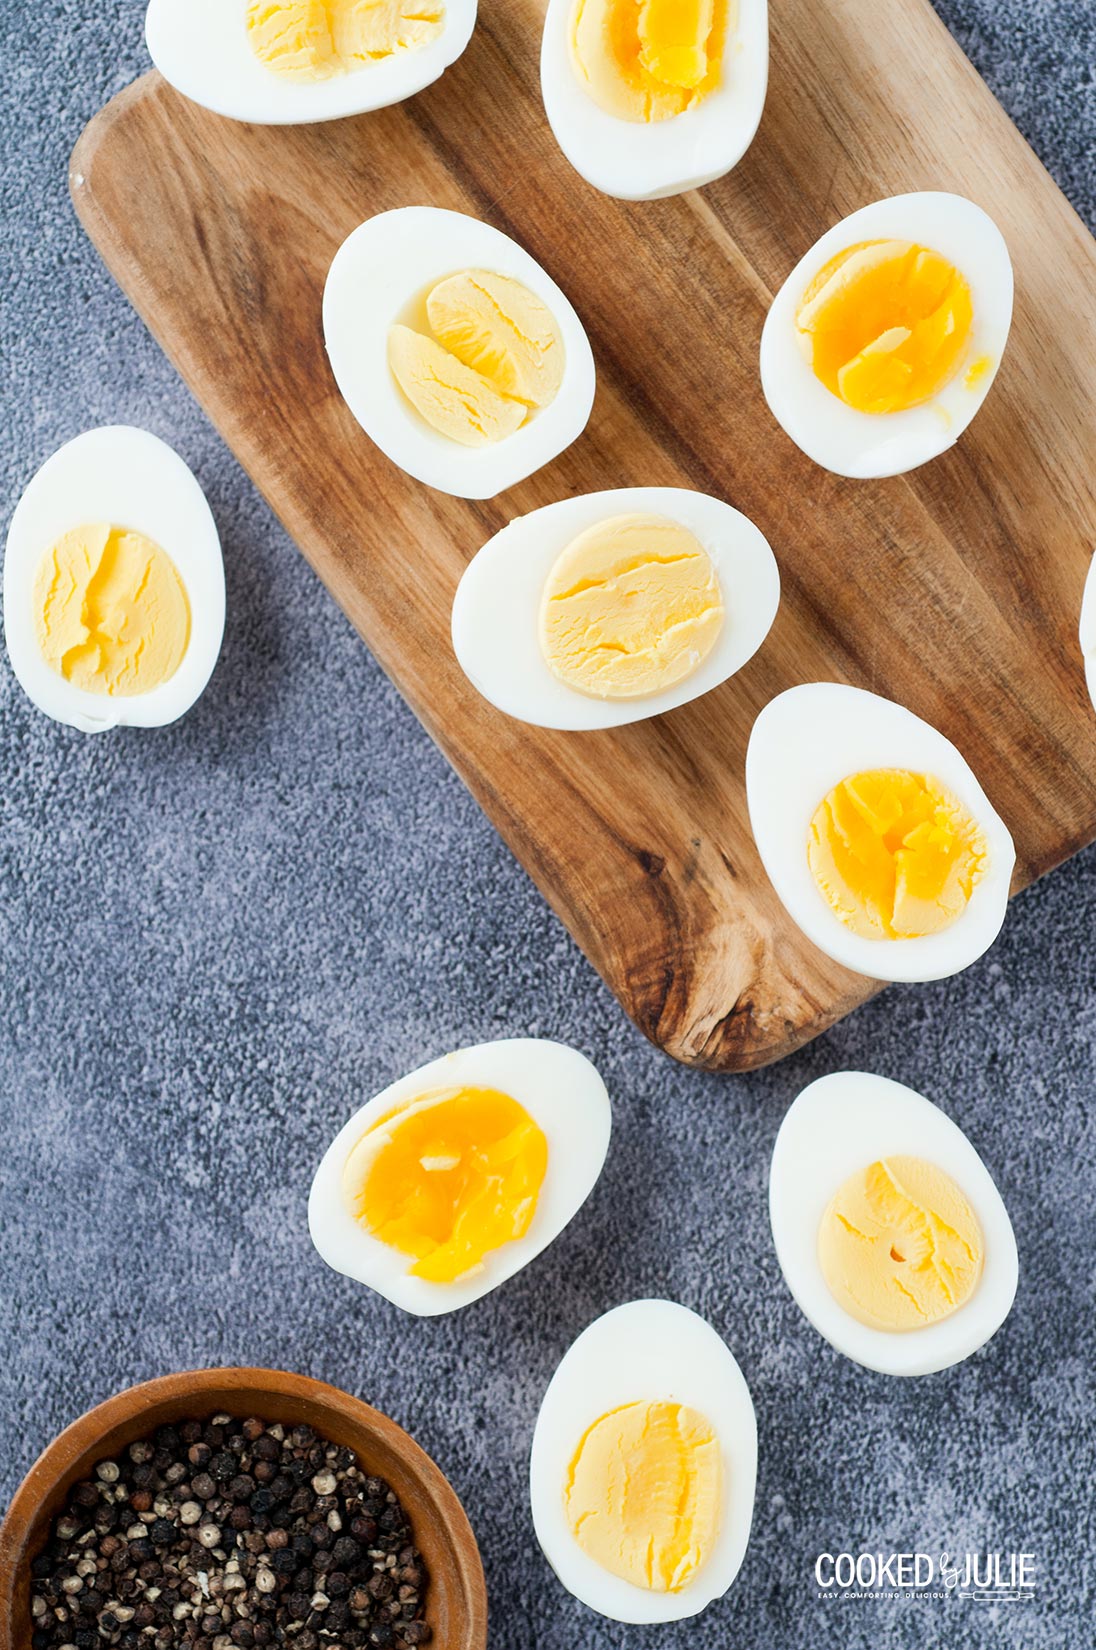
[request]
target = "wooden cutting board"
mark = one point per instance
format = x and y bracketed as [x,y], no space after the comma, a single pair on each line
[955,590]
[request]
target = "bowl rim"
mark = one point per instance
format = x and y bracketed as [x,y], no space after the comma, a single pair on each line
[71,1453]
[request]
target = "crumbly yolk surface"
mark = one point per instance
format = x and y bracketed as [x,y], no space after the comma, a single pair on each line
[493,355]
[885,325]
[111,613]
[895,854]
[631,607]
[643,1494]
[900,1246]
[316,39]
[448,1178]
[645,60]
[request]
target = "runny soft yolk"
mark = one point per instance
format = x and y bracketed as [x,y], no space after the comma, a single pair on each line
[900,1246]
[644,1491]
[645,60]
[630,607]
[885,325]
[448,1178]
[895,854]
[111,613]
[492,356]
[315,39]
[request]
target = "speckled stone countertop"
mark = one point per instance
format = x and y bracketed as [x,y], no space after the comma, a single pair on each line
[216,939]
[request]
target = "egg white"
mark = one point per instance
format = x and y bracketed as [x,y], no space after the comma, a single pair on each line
[647,1350]
[201,47]
[839,1125]
[640,161]
[382,268]
[865,445]
[124,477]
[563,1094]
[497,605]
[805,742]
[1088,630]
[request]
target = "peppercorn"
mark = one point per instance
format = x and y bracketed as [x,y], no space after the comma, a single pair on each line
[203,1487]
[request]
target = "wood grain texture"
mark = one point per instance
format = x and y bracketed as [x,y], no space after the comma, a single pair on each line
[456,1604]
[955,590]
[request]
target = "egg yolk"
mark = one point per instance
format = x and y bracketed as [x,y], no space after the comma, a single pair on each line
[111,613]
[895,854]
[643,1494]
[491,356]
[630,607]
[900,1246]
[315,39]
[645,60]
[448,1178]
[885,325]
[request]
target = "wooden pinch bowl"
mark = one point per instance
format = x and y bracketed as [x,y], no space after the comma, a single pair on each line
[456,1600]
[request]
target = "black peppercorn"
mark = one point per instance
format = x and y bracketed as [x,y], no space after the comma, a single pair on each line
[222,1467]
[162,1533]
[380,1636]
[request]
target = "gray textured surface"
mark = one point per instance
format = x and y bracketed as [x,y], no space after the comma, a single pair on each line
[216,939]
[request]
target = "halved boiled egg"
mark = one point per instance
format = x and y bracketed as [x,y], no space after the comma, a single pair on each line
[648,98]
[456,1176]
[884,340]
[888,1227]
[114,587]
[612,607]
[644,1463]
[875,833]
[290,62]
[1088,630]
[459,357]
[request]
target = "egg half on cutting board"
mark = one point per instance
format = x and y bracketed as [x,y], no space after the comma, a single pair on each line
[114,586]
[875,833]
[456,1176]
[292,62]
[611,607]
[457,354]
[644,1464]
[650,99]
[889,1229]
[884,340]
[1088,630]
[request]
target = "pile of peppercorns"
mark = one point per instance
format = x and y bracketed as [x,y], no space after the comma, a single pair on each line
[230,1535]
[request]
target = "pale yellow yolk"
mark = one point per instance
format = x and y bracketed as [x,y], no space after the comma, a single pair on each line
[495,356]
[315,39]
[630,607]
[448,1178]
[900,1246]
[644,1493]
[895,854]
[644,60]
[885,325]
[110,611]
[495,325]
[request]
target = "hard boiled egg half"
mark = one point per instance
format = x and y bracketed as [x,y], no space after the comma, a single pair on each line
[888,1227]
[1088,630]
[643,1465]
[611,607]
[288,62]
[649,99]
[884,340]
[455,1177]
[459,357]
[114,586]
[875,833]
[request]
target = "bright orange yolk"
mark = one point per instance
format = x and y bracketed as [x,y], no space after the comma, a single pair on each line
[885,325]
[645,60]
[895,854]
[447,1178]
